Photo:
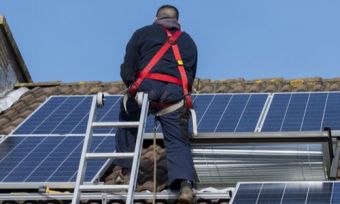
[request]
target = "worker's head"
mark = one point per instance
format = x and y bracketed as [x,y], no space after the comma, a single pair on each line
[167,11]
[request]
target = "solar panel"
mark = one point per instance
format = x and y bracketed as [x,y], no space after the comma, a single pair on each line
[229,112]
[287,192]
[48,158]
[216,113]
[303,112]
[68,115]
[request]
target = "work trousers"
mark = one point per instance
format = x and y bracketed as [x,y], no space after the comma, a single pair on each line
[174,126]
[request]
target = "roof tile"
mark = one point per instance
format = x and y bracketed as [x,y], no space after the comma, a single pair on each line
[237,89]
[301,88]
[206,89]
[334,87]
[8,129]
[3,121]
[222,89]
[317,87]
[19,106]
[253,88]
[286,88]
[270,88]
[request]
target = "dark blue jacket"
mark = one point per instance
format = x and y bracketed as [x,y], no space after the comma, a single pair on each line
[144,44]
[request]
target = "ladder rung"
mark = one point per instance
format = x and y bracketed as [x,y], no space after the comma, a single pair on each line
[103,187]
[110,155]
[115,124]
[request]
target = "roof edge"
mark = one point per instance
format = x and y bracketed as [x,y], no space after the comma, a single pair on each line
[17,54]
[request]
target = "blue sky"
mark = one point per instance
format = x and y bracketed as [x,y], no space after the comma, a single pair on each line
[84,40]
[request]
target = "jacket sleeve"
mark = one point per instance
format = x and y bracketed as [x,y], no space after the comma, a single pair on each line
[194,67]
[129,67]
[192,49]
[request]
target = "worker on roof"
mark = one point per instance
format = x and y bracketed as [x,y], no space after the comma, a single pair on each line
[161,60]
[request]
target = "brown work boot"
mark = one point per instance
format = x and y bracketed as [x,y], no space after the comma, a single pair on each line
[186,194]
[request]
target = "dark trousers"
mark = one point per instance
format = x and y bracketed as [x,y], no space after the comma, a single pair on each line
[174,126]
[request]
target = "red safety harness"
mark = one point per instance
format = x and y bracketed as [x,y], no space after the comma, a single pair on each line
[145,73]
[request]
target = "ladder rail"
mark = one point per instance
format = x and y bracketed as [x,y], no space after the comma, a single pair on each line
[86,155]
[138,149]
[115,155]
[86,144]
[115,124]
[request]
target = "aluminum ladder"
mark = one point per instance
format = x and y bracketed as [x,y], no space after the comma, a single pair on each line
[98,100]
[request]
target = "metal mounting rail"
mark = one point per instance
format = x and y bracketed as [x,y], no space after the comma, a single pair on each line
[103,187]
[108,196]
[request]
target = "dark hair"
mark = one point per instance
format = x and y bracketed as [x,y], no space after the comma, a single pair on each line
[167,11]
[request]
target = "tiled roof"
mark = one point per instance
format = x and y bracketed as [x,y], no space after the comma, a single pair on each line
[39,92]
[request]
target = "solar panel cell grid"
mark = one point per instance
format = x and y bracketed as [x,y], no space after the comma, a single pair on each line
[314,112]
[47,158]
[247,193]
[295,193]
[303,112]
[336,193]
[294,112]
[288,193]
[271,193]
[319,193]
[215,112]
[40,115]
[332,112]
[251,113]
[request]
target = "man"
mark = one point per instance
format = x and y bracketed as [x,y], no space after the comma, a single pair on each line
[167,82]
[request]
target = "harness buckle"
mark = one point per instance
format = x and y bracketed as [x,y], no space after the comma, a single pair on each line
[171,41]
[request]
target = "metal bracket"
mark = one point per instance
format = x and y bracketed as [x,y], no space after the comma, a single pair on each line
[330,142]
[194,122]
[104,198]
[100,99]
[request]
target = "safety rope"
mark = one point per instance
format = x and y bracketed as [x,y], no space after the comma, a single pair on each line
[154,162]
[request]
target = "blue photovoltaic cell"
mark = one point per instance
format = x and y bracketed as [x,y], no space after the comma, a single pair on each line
[332,112]
[241,113]
[229,112]
[288,193]
[319,193]
[69,115]
[276,112]
[295,193]
[48,158]
[336,193]
[247,193]
[271,193]
[303,112]
[314,111]
[216,113]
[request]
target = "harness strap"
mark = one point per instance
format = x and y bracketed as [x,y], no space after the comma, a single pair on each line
[153,62]
[170,108]
[182,72]
[145,73]
[164,77]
